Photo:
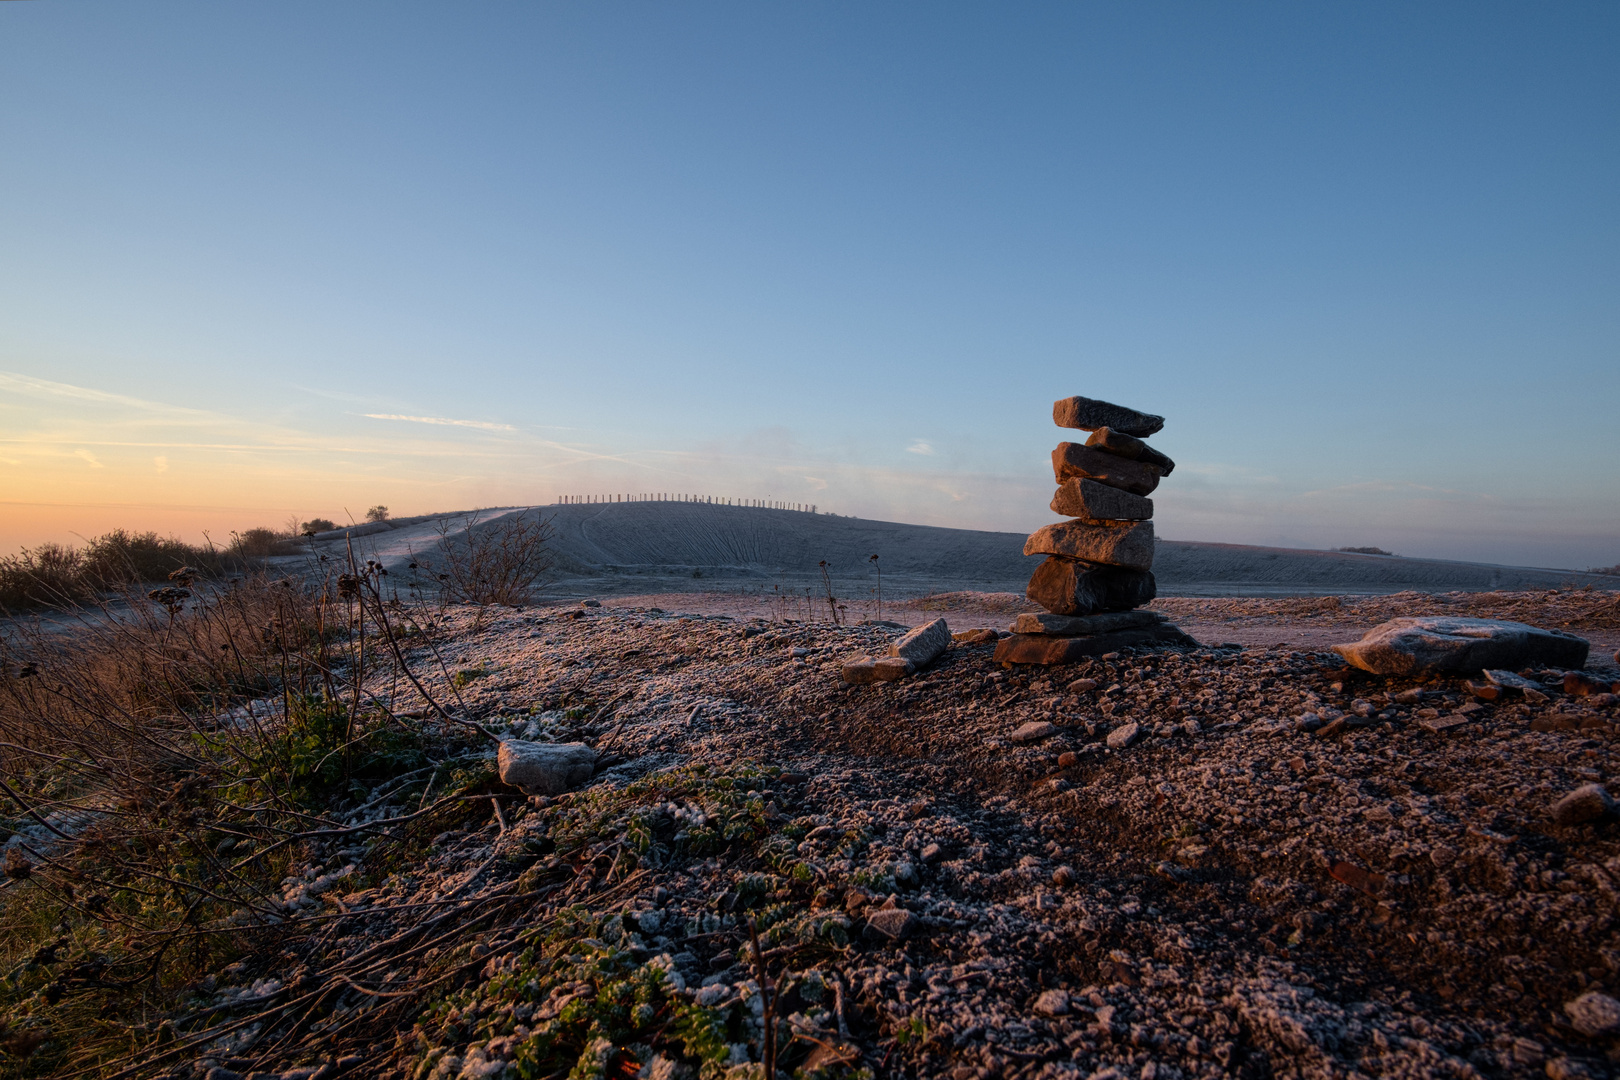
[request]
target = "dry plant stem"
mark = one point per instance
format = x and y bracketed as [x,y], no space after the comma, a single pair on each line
[399,658]
[767,999]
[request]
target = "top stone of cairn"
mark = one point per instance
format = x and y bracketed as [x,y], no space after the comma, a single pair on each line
[1089,414]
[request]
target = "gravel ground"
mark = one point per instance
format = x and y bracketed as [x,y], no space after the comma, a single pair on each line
[1143,865]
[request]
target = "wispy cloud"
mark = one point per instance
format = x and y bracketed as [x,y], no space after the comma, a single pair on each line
[161,462]
[89,457]
[442,421]
[920,447]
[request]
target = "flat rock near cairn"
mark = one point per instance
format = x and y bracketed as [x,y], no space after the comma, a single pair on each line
[1113,543]
[923,645]
[1069,587]
[1089,414]
[545,768]
[1083,497]
[1046,649]
[1041,622]
[1072,460]
[1450,643]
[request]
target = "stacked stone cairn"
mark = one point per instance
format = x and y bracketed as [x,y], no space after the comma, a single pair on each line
[1099,565]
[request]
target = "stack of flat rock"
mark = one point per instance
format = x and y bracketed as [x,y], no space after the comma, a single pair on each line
[1098,567]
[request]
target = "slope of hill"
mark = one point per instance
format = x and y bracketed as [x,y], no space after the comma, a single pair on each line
[647,547]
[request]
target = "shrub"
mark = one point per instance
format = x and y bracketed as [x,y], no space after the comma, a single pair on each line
[317,525]
[501,562]
[54,575]
[257,543]
[377,513]
[1364,551]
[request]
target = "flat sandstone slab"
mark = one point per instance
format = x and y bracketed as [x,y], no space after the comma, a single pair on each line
[1045,649]
[1129,446]
[1089,414]
[1083,497]
[1080,625]
[1068,587]
[1071,460]
[1113,543]
[1450,643]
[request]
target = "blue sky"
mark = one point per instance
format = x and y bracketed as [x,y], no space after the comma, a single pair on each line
[1362,257]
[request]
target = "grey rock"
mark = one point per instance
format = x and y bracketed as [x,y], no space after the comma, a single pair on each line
[1073,461]
[1053,1003]
[1594,1014]
[1070,587]
[1042,622]
[1587,803]
[931,853]
[1089,414]
[869,669]
[1083,497]
[893,923]
[1125,735]
[1117,442]
[1112,543]
[923,645]
[1447,643]
[905,874]
[545,768]
[1510,680]
[1034,731]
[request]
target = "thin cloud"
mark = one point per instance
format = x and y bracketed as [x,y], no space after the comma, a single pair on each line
[89,457]
[482,425]
[920,447]
[161,462]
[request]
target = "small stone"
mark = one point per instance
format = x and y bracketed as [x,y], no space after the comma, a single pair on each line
[1509,680]
[1034,731]
[1449,643]
[905,874]
[1082,497]
[892,923]
[1410,697]
[1063,875]
[1129,446]
[590,603]
[1053,1003]
[1594,1014]
[1068,759]
[931,852]
[1089,414]
[923,645]
[1070,587]
[1589,802]
[1563,1068]
[1072,461]
[1485,691]
[1442,856]
[1082,686]
[1582,684]
[545,768]
[977,636]
[1124,736]
[1112,543]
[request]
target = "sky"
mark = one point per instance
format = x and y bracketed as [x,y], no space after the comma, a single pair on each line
[277,261]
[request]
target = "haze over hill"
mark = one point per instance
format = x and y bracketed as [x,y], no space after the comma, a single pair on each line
[665,546]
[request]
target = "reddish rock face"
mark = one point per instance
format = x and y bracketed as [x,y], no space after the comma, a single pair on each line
[1082,497]
[1113,543]
[1129,446]
[1071,460]
[1089,414]
[1067,587]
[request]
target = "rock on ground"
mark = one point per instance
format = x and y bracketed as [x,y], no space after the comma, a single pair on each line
[545,768]
[1041,622]
[923,645]
[1446,643]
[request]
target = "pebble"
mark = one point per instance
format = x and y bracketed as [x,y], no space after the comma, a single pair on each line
[1053,1003]
[1125,735]
[1081,686]
[1034,731]
[1594,1014]
[893,923]
[1589,802]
